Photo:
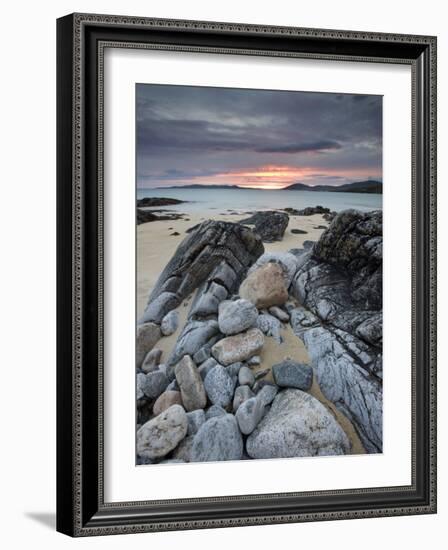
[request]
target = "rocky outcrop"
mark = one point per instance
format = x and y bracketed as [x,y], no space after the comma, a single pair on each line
[339,285]
[270,225]
[158,201]
[216,253]
[311,210]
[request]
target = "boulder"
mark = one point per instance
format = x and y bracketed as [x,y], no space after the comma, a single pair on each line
[267,393]
[246,377]
[208,298]
[237,316]
[165,400]
[183,451]
[190,384]
[265,287]
[280,313]
[249,414]
[154,384]
[286,260]
[141,380]
[195,420]
[242,393]
[254,361]
[152,360]
[270,326]
[205,352]
[311,210]
[147,337]
[270,225]
[170,323]
[160,435]
[205,249]
[214,410]
[239,347]
[290,374]
[297,425]
[157,309]
[219,386]
[207,366]
[193,337]
[218,439]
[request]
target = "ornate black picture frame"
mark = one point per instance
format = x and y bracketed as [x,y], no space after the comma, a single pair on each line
[81,40]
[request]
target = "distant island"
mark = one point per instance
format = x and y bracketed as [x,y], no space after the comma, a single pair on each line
[367,186]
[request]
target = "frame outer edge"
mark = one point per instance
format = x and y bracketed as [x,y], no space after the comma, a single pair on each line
[70,514]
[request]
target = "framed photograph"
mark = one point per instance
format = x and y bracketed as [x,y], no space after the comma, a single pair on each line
[246,274]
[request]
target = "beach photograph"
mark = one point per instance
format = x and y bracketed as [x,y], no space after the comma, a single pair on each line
[258,274]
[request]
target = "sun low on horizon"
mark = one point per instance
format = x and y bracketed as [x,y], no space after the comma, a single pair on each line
[255,139]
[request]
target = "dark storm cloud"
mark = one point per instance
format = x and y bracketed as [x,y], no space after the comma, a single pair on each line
[323,145]
[192,132]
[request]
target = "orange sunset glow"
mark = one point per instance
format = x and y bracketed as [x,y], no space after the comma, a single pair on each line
[255,138]
[276,176]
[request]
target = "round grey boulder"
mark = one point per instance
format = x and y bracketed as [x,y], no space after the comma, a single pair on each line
[249,414]
[154,384]
[246,377]
[297,425]
[218,439]
[219,386]
[169,323]
[237,316]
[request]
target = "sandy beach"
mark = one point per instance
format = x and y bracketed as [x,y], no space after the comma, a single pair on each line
[157,242]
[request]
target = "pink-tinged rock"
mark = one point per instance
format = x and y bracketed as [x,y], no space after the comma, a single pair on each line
[164,401]
[265,287]
[239,347]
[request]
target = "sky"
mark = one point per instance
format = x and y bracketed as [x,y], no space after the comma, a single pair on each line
[255,138]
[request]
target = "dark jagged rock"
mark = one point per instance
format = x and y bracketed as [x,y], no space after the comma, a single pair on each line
[270,225]
[340,284]
[330,216]
[311,210]
[158,201]
[354,243]
[224,248]
[145,216]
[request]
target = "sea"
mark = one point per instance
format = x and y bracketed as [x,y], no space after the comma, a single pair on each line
[244,200]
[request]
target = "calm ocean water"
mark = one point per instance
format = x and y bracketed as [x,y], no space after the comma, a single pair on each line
[254,199]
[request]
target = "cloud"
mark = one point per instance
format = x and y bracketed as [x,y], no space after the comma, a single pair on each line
[313,146]
[187,132]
